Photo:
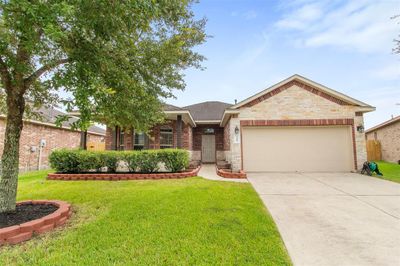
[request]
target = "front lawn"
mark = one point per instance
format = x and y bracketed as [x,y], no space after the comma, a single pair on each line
[155,222]
[390,171]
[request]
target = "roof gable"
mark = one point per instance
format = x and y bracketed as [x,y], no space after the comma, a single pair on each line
[305,84]
[208,111]
[384,124]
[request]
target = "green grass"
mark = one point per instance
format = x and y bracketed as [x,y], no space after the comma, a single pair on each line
[162,222]
[390,171]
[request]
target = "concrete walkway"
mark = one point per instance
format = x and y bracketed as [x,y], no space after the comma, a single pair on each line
[334,218]
[208,171]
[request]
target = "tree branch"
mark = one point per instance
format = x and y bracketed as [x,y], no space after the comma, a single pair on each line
[44,69]
[5,75]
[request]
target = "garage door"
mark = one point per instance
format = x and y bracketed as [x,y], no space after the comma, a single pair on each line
[305,149]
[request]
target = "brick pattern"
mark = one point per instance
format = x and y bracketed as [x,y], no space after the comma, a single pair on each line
[154,136]
[199,131]
[56,138]
[298,122]
[227,174]
[18,233]
[299,84]
[306,122]
[227,141]
[121,177]
[389,137]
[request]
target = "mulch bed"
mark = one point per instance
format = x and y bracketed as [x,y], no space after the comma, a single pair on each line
[25,213]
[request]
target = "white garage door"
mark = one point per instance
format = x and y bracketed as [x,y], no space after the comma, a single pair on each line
[304,149]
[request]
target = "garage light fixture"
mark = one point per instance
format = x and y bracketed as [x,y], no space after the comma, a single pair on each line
[360,128]
[236,130]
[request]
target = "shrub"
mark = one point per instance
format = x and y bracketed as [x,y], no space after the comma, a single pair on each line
[175,160]
[76,161]
[132,160]
[65,161]
[89,161]
[110,159]
[148,161]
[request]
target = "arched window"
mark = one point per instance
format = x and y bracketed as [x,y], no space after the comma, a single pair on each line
[166,138]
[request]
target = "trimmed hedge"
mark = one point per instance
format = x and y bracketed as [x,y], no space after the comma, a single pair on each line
[148,161]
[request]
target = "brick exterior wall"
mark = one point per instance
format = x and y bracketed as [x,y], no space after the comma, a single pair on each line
[199,131]
[55,137]
[389,137]
[296,101]
[154,136]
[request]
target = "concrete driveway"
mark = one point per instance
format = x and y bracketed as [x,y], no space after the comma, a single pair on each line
[334,218]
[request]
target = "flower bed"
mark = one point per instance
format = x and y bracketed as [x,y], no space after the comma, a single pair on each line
[24,231]
[226,174]
[120,176]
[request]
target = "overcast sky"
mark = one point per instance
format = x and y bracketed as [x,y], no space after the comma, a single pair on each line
[344,45]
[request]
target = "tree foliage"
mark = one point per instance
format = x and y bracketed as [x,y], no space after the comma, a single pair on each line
[116,58]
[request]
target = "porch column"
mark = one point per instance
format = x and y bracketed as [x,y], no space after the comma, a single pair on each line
[179,131]
[84,140]
[114,139]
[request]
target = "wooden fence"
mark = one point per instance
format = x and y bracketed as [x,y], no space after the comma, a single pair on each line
[95,146]
[374,152]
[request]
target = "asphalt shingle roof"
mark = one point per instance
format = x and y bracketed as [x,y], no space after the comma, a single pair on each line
[49,115]
[212,110]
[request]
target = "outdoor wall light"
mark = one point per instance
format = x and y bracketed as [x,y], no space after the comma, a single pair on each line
[360,128]
[236,130]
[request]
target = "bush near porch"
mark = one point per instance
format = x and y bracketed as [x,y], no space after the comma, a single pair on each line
[149,161]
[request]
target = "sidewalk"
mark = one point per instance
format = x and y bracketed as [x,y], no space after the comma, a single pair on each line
[208,171]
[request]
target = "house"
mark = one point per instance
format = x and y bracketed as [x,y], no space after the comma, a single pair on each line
[294,125]
[388,134]
[39,137]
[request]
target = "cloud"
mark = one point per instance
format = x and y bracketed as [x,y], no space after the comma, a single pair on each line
[364,25]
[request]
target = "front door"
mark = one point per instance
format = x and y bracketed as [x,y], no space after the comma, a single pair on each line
[208,148]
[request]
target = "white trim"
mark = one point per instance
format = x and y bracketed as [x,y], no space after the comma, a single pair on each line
[193,123]
[202,122]
[384,124]
[55,126]
[312,83]
[227,114]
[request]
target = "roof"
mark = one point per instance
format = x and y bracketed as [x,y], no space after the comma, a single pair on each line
[384,124]
[170,107]
[208,111]
[314,84]
[49,115]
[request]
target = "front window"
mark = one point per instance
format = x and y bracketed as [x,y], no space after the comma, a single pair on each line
[166,138]
[139,141]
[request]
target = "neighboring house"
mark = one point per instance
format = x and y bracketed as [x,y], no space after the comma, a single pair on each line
[295,125]
[388,134]
[45,132]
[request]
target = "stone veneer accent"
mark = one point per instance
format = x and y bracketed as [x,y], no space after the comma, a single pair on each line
[56,138]
[389,137]
[296,101]
[120,176]
[19,233]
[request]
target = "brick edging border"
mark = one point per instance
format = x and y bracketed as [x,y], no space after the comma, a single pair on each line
[241,174]
[121,177]
[18,233]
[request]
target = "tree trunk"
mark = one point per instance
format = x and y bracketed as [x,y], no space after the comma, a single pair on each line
[10,157]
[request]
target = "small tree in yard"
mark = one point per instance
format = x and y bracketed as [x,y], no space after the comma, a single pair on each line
[116,58]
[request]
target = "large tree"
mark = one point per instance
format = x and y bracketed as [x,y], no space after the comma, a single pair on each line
[116,59]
